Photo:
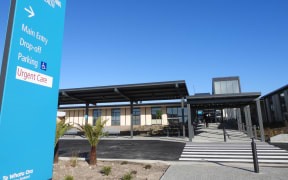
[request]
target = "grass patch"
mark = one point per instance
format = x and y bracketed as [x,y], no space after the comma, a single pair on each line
[127,176]
[74,159]
[69,178]
[106,170]
[148,166]
[124,162]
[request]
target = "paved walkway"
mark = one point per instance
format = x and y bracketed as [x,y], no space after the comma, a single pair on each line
[222,172]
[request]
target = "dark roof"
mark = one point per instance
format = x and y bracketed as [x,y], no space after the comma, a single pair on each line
[276,91]
[124,93]
[223,100]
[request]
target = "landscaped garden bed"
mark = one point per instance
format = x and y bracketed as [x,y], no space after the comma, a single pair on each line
[81,170]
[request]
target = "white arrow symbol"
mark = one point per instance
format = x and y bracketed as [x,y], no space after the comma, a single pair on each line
[30,11]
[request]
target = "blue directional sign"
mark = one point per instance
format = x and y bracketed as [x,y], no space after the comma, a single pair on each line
[29,86]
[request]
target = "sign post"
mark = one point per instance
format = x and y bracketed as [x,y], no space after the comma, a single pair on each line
[29,86]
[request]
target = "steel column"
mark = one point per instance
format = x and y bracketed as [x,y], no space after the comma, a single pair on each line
[248,120]
[255,131]
[239,119]
[183,119]
[131,116]
[190,127]
[260,120]
[86,113]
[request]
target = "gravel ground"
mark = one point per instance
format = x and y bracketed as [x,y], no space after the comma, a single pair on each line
[83,171]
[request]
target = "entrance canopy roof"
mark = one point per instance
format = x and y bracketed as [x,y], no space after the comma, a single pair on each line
[222,100]
[124,93]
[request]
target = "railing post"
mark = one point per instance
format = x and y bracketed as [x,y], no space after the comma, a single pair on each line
[255,132]
[224,133]
[255,157]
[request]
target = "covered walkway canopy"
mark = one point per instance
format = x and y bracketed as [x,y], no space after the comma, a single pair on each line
[221,101]
[169,90]
[124,93]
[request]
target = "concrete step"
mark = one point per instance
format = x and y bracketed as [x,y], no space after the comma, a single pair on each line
[238,153]
[231,156]
[233,152]
[235,160]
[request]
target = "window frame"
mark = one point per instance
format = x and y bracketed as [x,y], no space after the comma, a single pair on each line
[98,111]
[114,118]
[136,115]
[155,121]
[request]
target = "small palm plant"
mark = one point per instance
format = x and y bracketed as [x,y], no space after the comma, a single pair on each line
[94,133]
[61,128]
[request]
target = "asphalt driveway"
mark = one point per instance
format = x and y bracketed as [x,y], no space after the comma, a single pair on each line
[124,149]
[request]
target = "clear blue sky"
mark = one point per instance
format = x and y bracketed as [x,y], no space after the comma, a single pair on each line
[109,42]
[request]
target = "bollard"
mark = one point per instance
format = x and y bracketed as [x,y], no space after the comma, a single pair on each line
[224,133]
[255,157]
[255,132]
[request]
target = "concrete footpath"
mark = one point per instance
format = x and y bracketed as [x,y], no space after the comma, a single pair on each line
[223,172]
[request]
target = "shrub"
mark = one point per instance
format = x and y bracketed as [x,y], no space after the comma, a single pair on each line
[74,160]
[106,170]
[69,178]
[127,176]
[124,162]
[134,172]
[148,166]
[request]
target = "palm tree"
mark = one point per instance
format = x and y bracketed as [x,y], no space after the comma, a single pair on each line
[94,133]
[61,128]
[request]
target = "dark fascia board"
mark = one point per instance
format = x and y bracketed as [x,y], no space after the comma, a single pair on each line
[275,91]
[126,86]
[225,96]
[124,105]
[226,78]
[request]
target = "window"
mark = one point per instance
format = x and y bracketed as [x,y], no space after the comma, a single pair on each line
[283,106]
[282,102]
[136,116]
[155,118]
[115,114]
[96,115]
[174,114]
[272,111]
[226,87]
